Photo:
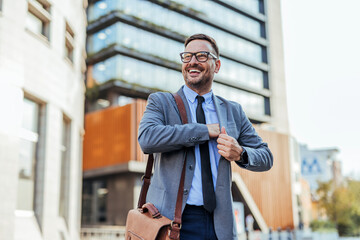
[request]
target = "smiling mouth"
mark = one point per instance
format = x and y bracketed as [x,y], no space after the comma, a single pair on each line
[194,71]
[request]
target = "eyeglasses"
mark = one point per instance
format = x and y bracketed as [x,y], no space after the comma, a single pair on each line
[200,56]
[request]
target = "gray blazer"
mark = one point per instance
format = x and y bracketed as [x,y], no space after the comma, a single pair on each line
[162,133]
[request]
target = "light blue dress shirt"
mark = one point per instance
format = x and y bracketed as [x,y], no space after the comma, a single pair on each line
[195,194]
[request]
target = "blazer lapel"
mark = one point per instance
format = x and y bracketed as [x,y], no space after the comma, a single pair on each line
[221,111]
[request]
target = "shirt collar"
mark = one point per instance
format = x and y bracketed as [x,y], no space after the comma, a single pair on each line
[191,95]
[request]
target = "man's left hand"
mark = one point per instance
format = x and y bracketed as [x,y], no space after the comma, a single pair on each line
[228,147]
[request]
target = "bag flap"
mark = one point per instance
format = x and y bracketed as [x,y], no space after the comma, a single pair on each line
[143,225]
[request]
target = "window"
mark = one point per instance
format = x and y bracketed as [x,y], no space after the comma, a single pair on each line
[94,207]
[253,6]
[253,104]
[38,17]
[28,155]
[229,44]
[69,42]
[65,170]
[126,69]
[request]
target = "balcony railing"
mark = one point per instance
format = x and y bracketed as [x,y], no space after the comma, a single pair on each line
[118,233]
[103,233]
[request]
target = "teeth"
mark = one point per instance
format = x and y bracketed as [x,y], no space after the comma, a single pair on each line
[194,70]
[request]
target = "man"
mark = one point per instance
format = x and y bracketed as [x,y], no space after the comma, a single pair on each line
[218,133]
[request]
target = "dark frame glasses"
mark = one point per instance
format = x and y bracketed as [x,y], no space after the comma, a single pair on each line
[201,56]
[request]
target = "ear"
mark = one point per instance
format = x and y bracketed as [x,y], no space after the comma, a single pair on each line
[217,65]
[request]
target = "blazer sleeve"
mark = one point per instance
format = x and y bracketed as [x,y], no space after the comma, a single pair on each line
[259,155]
[157,135]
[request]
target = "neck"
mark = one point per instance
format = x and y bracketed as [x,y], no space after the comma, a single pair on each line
[200,90]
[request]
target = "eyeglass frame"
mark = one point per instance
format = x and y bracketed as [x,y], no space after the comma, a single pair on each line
[194,54]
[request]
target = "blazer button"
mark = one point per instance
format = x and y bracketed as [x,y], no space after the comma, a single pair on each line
[186,191]
[191,167]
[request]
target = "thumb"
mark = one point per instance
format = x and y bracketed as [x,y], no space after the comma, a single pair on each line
[223,131]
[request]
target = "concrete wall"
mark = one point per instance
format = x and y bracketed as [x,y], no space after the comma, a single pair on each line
[279,112]
[36,68]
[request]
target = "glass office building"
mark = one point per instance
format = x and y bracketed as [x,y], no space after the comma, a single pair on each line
[133,49]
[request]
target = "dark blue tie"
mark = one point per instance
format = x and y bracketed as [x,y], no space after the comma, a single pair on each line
[206,176]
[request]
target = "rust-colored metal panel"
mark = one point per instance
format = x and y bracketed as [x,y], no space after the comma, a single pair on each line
[271,190]
[140,107]
[107,139]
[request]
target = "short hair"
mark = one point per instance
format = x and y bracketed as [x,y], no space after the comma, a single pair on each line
[205,37]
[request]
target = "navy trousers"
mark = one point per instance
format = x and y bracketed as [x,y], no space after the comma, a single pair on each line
[197,224]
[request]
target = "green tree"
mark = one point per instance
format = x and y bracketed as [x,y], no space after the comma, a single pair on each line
[342,205]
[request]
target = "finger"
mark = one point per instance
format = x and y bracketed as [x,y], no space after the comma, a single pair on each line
[226,138]
[222,153]
[228,141]
[224,135]
[222,147]
[223,131]
[225,155]
[222,141]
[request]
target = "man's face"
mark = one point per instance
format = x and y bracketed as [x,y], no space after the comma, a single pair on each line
[199,75]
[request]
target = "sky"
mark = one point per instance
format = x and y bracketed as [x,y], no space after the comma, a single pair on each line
[322,70]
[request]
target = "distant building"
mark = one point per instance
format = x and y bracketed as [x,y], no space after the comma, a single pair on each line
[42,66]
[133,50]
[320,165]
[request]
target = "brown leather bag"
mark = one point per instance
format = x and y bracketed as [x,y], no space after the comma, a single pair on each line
[146,222]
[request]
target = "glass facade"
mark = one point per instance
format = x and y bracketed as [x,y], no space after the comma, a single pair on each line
[159,40]
[133,71]
[186,26]
[238,74]
[212,11]
[139,40]
[253,104]
[151,76]
[136,39]
[252,6]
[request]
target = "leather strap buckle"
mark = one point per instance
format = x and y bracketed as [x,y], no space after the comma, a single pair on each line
[174,232]
[179,225]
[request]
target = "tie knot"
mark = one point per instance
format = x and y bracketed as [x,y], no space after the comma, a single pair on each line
[200,99]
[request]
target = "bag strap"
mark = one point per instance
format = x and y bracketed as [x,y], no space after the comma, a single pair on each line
[175,228]
[146,181]
[176,223]
[181,108]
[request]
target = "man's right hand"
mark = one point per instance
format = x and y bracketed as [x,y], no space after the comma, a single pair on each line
[214,130]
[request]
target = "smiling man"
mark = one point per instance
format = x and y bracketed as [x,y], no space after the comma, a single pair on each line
[218,133]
